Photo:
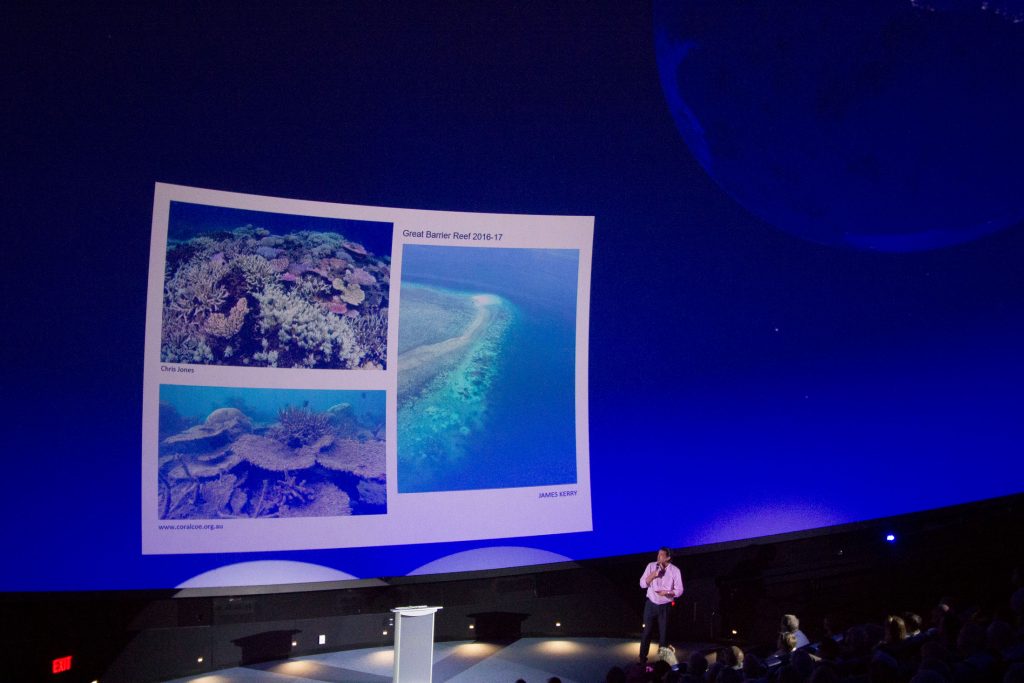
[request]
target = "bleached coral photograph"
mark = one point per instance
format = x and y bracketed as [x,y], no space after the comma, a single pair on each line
[230,453]
[260,289]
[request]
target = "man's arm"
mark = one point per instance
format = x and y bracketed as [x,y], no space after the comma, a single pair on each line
[650,574]
[677,582]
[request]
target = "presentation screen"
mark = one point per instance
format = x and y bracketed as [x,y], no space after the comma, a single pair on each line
[327,376]
[361,290]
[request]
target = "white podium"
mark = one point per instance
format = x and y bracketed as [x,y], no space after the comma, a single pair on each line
[414,644]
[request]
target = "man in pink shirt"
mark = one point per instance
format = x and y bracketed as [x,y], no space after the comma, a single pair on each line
[664,583]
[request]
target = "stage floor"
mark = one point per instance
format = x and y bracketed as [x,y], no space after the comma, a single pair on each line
[579,660]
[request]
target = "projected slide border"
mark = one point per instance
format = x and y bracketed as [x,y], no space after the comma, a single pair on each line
[274,388]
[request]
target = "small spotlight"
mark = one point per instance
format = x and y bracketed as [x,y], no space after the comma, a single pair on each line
[891,538]
[199,660]
[472,626]
[295,643]
[735,632]
[383,633]
[558,624]
[322,639]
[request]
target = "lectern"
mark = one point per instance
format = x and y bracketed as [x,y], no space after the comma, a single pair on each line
[414,644]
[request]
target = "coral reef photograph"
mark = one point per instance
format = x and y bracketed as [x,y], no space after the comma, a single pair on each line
[260,289]
[486,368]
[229,453]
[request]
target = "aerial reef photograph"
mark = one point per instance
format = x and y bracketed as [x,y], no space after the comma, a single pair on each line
[486,368]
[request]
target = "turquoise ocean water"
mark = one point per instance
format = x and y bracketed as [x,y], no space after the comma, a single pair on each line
[262,405]
[500,413]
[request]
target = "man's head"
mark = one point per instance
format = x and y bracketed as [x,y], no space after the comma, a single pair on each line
[664,555]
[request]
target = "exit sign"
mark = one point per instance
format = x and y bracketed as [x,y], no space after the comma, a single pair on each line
[62,664]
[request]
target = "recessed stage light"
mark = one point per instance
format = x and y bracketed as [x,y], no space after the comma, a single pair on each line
[558,624]
[321,639]
[199,660]
[472,626]
[295,643]
[891,538]
[384,633]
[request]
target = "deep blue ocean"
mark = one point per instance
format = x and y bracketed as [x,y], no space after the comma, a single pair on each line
[529,438]
[262,405]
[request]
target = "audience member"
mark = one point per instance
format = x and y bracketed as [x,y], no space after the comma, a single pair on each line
[733,657]
[895,630]
[696,668]
[913,623]
[790,624]
[785,644]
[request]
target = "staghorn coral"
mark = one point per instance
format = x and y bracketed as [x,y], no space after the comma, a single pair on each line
[289,319]
[191,294]
[371,331]
[298,427]
[227,326]
[257,271]
[193,290]
[312,287]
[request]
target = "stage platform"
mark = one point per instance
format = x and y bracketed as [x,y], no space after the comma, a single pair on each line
[579,660]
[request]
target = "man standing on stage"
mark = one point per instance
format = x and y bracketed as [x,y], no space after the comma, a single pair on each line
[664,583]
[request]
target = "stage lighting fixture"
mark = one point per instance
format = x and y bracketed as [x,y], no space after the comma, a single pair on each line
[321,639]
[558,624]
[295,643]
[891,538]
[199,660]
